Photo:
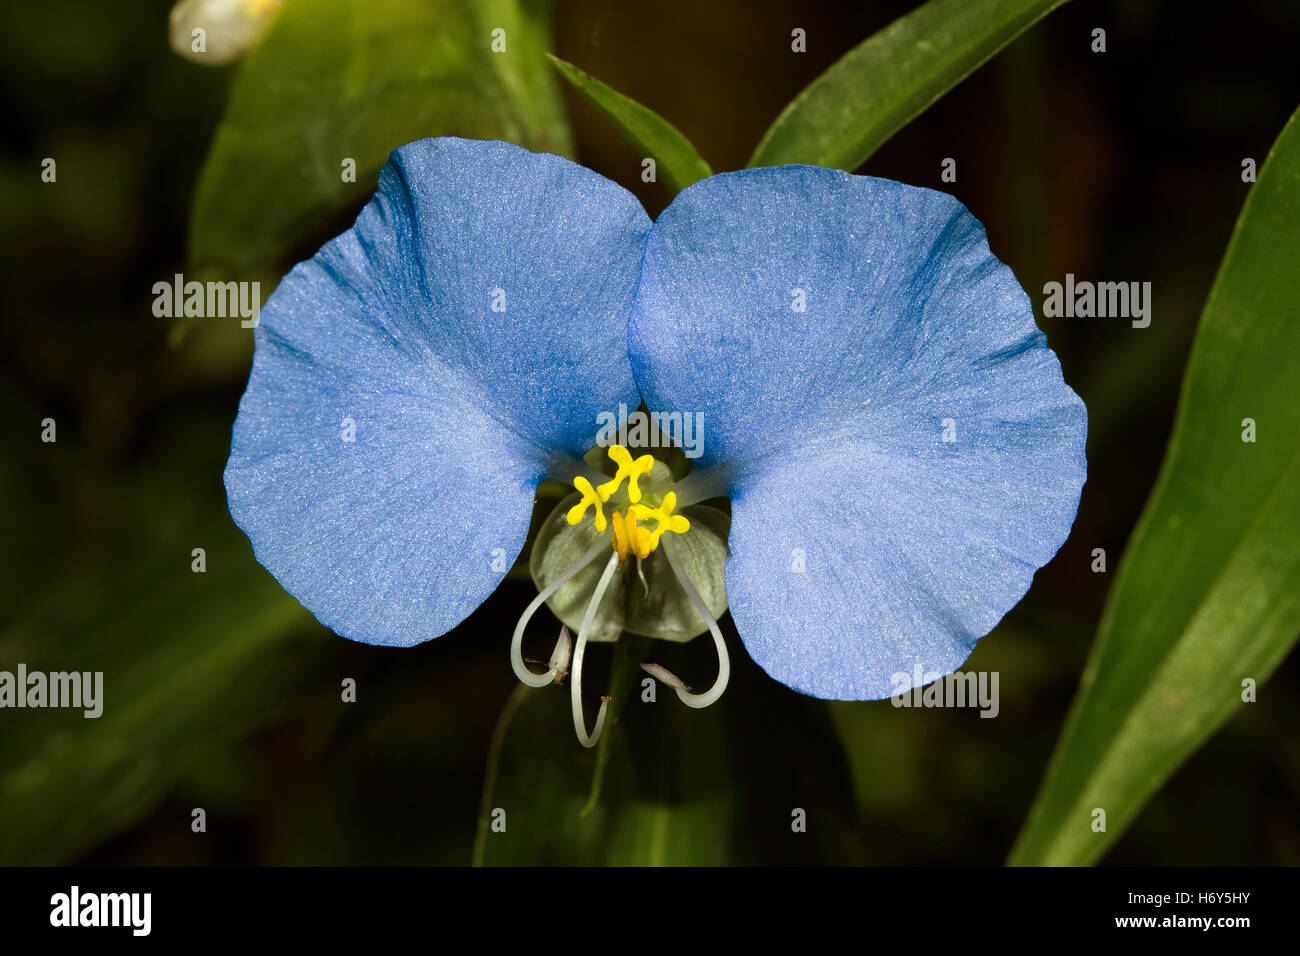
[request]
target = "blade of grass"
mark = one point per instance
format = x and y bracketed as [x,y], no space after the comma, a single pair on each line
[677,162]
[889,79]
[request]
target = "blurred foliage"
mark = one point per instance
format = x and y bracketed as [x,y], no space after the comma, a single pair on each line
[338,80]
[1208,595]
[188,664]
[229,693]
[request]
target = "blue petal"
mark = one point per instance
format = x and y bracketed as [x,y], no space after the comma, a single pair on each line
[458,410]
[862,544]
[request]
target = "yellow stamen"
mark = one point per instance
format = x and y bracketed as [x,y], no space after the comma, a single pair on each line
[630,536]
[664,518]
[629,468]
[589,497]
[620,537]
[640,538]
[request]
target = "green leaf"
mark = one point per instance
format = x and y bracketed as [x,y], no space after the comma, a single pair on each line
[334,80]
[889,79]
[1207,595]
[677,162]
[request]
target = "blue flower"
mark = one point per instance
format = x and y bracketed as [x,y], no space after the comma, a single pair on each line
[415,380]
[896,441]
[898,445]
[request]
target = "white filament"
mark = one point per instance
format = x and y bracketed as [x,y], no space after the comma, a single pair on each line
[724,662]
[575,688]
[557,658]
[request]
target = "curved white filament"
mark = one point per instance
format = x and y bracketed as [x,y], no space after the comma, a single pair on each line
[724,662]
[557,657]
[575,688]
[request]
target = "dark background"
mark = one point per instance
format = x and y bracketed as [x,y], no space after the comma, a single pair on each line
[1122,166]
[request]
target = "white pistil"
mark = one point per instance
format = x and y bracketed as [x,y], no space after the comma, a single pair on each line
[724,662]
[575,688]
[554,671]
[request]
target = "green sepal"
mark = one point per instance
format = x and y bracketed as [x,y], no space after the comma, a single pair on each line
[644,596]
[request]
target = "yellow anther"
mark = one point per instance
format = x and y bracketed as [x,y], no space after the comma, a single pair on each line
[629,468]
[664,518]
[630,536]
[589,497]
[641,543]
[620,537]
